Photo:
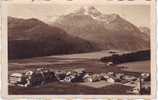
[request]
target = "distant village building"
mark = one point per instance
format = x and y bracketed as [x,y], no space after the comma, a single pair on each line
[119,75]
[87,78]
[129,78]
[41,76]
[111,80]
[109,63]
[16,78]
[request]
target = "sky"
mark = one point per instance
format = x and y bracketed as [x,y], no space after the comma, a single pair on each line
[139,15]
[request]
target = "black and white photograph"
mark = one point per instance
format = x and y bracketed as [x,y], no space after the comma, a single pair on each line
[81,49]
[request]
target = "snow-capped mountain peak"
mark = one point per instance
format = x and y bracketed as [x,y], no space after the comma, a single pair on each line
[97,15]
[107,31]
[89,10]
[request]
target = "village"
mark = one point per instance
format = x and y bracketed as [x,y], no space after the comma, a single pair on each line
[42,76]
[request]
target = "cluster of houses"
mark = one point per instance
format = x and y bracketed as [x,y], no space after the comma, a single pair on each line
[42,76]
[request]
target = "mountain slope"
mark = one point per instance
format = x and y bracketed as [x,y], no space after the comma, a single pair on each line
[107,31]
[32,37]
[146,32]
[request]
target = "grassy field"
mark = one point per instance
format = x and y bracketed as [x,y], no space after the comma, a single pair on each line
[69,88]
[138,66]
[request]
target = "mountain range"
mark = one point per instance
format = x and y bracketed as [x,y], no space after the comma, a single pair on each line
[84,30]
[146,31]
[31,38]
[108,31]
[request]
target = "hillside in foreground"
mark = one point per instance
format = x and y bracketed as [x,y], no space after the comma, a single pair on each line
[31,38]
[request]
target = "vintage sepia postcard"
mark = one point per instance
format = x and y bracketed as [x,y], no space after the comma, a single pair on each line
[78,49]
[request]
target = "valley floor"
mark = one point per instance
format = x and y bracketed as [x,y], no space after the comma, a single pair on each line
[90,62]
